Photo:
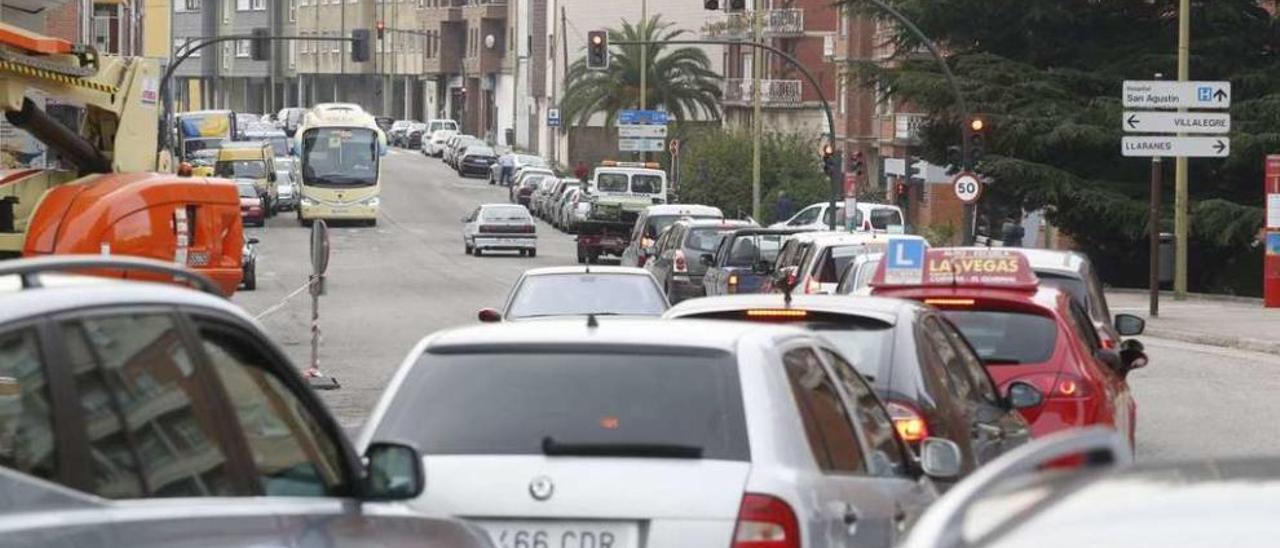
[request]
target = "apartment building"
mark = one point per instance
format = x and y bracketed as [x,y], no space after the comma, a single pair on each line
[224,75]
[804,29]
[467,68]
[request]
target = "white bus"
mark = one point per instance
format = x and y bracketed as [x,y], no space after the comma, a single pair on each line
[340,148]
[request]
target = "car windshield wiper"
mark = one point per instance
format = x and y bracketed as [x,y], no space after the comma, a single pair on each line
[553,448]
[1001,360]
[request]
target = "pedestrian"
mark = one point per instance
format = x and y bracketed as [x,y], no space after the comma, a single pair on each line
[508,164]
[581,171]
[1012,232]
[783,209]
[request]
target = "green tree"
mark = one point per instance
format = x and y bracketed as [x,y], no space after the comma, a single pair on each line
[715,169]
[679,80]
[1047,75]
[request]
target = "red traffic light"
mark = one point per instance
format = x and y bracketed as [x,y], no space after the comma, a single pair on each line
[382,25]
[597,39]
[977,124]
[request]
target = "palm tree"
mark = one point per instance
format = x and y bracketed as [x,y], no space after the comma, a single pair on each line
[679,81]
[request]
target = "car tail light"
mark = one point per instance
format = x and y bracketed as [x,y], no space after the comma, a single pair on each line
[527,229]
[909,422]
[1070,386]
[765,522]
[680,264]
[733,283]
[484,229]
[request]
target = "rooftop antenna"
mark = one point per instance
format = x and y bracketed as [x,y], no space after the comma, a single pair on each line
[591,321]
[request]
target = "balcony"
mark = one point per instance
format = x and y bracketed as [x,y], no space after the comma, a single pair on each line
[777,23]
[486,9]
[738,92]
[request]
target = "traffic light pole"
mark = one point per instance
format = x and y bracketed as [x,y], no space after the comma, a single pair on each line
[837,175]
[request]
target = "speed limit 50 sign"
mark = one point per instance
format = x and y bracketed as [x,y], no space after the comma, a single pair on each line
[968,188]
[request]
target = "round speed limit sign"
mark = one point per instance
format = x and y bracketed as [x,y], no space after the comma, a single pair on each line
[967,187]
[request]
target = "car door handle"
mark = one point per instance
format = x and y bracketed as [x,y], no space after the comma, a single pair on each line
[989,430]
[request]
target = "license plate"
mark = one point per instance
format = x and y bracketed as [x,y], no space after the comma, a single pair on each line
[558,534]
[339,211]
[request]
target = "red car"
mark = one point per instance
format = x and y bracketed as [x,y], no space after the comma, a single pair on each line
[251,205]
[1039,346]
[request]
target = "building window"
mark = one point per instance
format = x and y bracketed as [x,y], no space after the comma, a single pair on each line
[293,10]
[293,53]
[186,5]
[251,5]
[242,48]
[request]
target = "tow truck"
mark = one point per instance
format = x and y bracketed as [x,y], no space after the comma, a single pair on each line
[618,192]
[111,188]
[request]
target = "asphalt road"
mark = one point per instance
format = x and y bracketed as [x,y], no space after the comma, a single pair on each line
[393,284]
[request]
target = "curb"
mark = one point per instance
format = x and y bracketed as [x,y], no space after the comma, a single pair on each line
[1224,341]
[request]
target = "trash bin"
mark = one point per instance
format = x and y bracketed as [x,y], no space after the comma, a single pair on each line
[1166,257]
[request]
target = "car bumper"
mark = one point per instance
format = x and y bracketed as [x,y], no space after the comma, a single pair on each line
[505,242]
[474,169]
[686,287]
[338,212]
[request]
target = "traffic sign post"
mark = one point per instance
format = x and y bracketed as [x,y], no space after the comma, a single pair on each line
[1159,94]
[642,130]
[967,187]
[553,117]
[1189,147]
[319,265]
[1177,122]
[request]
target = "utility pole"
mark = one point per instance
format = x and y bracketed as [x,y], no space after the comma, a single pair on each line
[1180,177]
[1153,250]
[757,123]
[644,64]
[564,85]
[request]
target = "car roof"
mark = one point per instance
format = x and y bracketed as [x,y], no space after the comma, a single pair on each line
[1230,499]
[880,308]
[66,293]
[575,332]
[683,209]
[561,270]
[724,223]
[839,238]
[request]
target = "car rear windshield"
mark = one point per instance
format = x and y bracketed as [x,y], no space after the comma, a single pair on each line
[883,217]
[646,184]
[749,249]
[1073,287]
[611,182]
[505,213]
[1007,338]
[704,238]
[834,261]
[655,224]
[866,342]
[578,294]
[508,403]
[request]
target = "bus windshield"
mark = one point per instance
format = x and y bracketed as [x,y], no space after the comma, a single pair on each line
[340,157]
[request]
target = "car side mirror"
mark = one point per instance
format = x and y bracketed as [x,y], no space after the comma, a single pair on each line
[1129,325]
[489,315]
[707,259]
[252,241]
[1023,395]
[762,268]
[1133,355]
[394,472]
[940,458]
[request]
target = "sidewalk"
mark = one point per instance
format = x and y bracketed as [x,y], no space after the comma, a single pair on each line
[1230,322]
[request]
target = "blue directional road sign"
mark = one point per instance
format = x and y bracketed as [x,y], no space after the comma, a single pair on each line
[904,261]
[553,117]
[642,118]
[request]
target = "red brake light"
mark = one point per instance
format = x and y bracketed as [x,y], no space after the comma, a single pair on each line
[680,264]
[910,424]
[1070,386]
[765,522]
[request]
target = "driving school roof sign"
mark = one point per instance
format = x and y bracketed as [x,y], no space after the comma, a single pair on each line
[970,267]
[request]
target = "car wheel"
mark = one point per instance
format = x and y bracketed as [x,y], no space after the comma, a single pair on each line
[251,278]
[533,253]
[593,257]
[581,258]
[371,222]
[477,252]
[467,246]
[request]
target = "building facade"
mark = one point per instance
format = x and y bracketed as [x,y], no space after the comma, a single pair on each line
[467,71]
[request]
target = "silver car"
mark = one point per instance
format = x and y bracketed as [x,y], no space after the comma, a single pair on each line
[578,291]
[500,227]
[602,431]
[147,414]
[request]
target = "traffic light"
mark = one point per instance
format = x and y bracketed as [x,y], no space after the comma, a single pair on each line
[976,130]
[737,5]
[913,172]
[711,4]
[360,45]
[260,44]
[382,30]
[598,50]
[829,159]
